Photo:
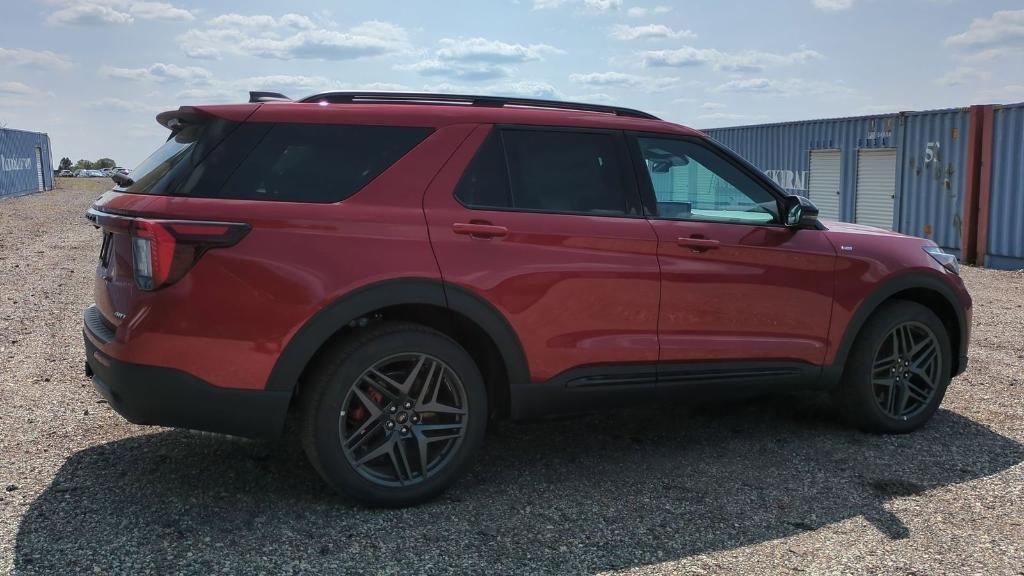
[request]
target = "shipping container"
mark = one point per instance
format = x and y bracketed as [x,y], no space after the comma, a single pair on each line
[1003,246]
[26,164]
[902,171]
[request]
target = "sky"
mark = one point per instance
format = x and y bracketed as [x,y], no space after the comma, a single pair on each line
[94,73]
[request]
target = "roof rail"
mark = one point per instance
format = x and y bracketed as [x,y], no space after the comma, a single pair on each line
[255,96]
[343,97]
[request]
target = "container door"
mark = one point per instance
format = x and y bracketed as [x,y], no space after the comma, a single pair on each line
[39,169]
[876,187]
[825,182]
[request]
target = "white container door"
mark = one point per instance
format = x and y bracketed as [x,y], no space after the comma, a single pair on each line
[876,187]
[39,169]
[824,186]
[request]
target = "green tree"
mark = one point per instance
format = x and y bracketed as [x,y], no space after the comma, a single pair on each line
[83,165]
[103,163]
[65,164]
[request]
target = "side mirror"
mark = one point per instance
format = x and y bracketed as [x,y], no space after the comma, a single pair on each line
[799,212]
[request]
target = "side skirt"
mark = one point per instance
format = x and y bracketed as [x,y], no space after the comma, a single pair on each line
[592,388]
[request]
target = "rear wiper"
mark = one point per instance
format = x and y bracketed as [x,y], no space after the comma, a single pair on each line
[121,180]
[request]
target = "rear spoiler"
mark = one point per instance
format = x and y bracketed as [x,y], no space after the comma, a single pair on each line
[255,97]
[175,119]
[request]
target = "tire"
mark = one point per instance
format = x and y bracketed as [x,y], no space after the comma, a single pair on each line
[349,400]
[904,404]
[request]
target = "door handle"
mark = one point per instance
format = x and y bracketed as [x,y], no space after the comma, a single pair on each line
[479,230]
[697,244]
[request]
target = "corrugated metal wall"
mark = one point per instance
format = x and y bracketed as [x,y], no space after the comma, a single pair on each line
[19,165]
[1006,195]
[932,175]
[782,151]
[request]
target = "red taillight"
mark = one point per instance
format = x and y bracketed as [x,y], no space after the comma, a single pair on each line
[164,250]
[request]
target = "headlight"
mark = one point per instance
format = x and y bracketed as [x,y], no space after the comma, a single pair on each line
[947,260]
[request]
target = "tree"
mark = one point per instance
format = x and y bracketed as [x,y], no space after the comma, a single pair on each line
[104,163]
[65,164]
[83,165]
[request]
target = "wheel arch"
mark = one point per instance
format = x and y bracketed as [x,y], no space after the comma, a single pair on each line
[465,317]
[925,289]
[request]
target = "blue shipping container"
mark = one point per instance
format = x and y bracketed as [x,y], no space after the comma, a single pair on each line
[26,164]
[1006,194]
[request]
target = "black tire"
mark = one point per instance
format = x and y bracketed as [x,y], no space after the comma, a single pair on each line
[864,398]
[325,427]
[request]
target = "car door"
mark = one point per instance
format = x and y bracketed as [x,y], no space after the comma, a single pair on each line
[737,285]
[546,225]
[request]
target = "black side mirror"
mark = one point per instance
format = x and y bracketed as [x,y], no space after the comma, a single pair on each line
[799,212]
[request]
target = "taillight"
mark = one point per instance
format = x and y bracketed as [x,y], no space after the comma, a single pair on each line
[164,250]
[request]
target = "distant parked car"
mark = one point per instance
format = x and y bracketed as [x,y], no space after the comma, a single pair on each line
[106,171]
[65,174]
[122,171]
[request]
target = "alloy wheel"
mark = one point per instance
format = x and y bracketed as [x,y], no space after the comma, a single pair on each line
[403,419]
[906,370]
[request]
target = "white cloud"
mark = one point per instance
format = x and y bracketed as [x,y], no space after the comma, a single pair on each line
[232,20]
[481,49]
[784,87]
[478,58]
[290,37]
[18,95]
[602,6]
[713,106]
[641,12]
[159,11]
[114,12]
[623,80]
[747,61]
[159,72]
[34,59]
[1005,27]
[832,5]
[587,6]
[650,31]
[962,75]
[521,88]
[1008,93]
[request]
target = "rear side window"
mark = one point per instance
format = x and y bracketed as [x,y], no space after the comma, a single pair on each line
[282,162]
[319,163]
[549,171]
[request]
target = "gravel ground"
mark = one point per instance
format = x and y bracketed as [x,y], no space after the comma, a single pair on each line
[757,487]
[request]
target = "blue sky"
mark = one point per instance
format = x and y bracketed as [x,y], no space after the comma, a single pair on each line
[93,73]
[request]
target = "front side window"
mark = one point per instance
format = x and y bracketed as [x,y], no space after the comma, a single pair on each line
[549,171]
[693,182]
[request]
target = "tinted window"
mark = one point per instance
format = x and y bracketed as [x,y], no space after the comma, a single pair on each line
[549,171]
[485,182]
[319,163]
[694,182]
[574,172]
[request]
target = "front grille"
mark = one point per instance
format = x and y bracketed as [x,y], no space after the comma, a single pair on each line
[98,325]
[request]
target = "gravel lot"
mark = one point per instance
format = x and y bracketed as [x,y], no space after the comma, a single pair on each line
[757,487]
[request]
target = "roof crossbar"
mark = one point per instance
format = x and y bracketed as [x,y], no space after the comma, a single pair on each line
[255,96]
[343,97]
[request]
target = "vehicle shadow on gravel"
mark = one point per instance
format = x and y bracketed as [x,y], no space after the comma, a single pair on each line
[576,495]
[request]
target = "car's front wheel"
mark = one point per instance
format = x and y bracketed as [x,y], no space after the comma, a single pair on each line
[394,414]
[898,370]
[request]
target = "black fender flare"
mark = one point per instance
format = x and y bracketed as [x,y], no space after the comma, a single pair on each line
[299,351]
[885,291]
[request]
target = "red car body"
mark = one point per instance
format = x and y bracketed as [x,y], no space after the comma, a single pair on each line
[550,304]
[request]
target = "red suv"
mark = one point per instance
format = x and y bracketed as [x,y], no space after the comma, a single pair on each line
[401,268]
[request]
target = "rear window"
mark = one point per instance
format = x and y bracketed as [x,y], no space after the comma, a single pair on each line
[277,162]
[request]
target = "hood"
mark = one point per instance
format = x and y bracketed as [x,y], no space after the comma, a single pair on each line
[851,228]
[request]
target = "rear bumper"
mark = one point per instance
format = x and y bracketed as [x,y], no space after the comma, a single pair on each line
[160,396]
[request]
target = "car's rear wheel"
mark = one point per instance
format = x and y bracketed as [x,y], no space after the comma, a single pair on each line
[393,415]
[898,370]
